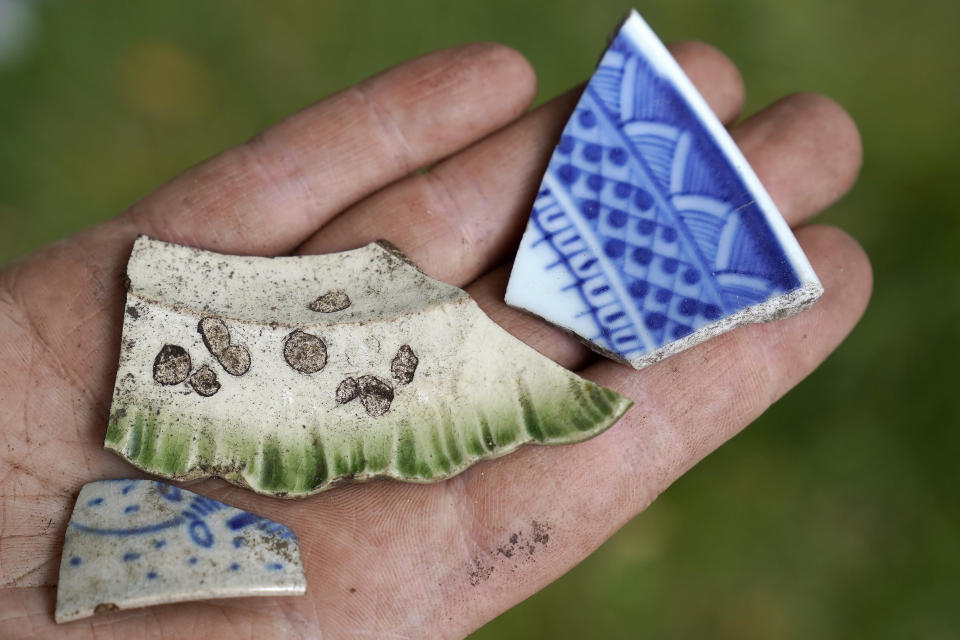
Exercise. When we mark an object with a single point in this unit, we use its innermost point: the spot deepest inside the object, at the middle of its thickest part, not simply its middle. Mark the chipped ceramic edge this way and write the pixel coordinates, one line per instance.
(777, 308)
(505, 428)
(654, 48)
(195, 533)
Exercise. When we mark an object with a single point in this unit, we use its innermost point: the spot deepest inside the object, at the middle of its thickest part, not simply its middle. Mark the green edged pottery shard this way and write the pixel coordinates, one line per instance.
(292, 375)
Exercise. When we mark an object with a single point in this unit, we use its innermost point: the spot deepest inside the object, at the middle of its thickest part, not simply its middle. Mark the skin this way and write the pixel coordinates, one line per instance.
(388, 559)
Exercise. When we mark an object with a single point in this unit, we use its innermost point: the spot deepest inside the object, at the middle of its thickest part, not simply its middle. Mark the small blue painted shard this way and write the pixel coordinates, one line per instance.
(190, 524)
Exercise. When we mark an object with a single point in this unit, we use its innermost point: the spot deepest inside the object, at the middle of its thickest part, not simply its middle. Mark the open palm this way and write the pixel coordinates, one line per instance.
(388, 559)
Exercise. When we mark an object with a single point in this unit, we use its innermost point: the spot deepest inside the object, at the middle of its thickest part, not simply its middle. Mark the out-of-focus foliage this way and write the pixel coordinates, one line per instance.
(833, 516)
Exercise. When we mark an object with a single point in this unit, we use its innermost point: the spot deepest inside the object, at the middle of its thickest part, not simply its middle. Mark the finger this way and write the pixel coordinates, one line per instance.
(714, 75)
(806, 151)
(267, 195)
(685, 407)
(741, 373)
(466, 214)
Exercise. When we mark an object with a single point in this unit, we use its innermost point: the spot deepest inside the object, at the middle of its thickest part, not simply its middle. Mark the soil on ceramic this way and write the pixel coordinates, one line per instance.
(136, 543)
(650, 232)
(409, 380)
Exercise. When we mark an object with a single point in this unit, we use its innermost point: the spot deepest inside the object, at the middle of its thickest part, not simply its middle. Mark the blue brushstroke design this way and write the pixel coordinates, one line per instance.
(242, 520)
(129, 531)
(655, 228)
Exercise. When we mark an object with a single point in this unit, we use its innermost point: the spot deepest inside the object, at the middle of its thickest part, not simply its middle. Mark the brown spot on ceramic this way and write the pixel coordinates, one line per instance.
(172, 365)
(404, 365)
(215, 334)
(305, 352)
(347, 390)
(235, 360)
(204, 381)
(105, 607)
(376, 394)
(330, 302)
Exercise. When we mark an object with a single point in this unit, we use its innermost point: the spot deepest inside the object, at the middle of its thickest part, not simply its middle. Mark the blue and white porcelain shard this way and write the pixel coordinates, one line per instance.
(136, 543)
(650, 232)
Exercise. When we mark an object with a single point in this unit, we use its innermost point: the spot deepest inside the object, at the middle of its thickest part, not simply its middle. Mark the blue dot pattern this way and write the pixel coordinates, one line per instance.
(655, 227)
(170, 539)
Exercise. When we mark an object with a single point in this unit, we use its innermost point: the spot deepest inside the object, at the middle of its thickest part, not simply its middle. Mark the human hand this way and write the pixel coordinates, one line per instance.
(391, 559)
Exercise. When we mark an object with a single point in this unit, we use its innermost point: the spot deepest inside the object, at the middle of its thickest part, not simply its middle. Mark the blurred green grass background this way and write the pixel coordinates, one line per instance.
(835, 515)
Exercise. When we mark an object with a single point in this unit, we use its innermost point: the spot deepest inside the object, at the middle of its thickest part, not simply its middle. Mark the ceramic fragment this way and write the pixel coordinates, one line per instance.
(650, 232)
(330, 302)
(136, 543)
(439, 385)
